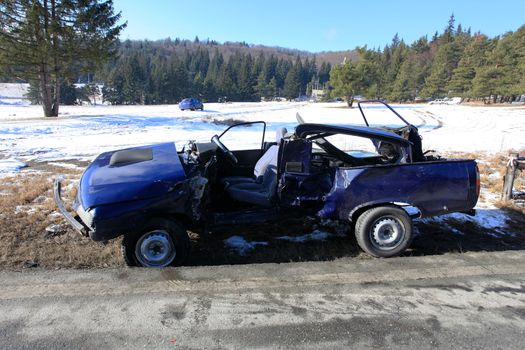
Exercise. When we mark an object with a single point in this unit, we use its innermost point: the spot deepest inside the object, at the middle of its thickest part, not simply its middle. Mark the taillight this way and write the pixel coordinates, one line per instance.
(478, 181)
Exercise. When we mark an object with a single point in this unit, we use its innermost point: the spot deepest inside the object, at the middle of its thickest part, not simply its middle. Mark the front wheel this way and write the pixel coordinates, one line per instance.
(384, 231)
(163, 243)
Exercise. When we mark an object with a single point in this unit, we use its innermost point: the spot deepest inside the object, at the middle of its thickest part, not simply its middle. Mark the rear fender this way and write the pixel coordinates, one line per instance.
(412, 210)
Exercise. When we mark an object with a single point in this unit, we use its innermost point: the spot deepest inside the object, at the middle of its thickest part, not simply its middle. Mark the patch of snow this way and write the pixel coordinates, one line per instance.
(316, 235)
(55, 215)
(488, 198)
(14, 102)
(13, 90)
(65, 165)
(412, 211)
(10, 166)
(27, 209)
(489, 218)
(241, 245)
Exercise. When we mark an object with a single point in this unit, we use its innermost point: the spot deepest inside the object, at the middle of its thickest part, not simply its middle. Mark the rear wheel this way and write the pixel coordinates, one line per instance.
(163, 243)
(384, 231)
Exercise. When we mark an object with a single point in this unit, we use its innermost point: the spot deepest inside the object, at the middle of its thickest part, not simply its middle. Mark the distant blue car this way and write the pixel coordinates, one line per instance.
(191, 104)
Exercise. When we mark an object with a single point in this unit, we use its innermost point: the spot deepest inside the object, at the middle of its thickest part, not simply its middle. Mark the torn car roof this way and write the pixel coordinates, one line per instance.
(303, 130)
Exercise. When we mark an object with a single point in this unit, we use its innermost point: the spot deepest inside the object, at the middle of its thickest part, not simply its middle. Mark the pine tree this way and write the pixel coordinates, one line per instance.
(44, 40)
(448, 35)
(404, 87)
(445, 62)
(367, 73)
(292, 83)
(486, 81)
(246, 81)
(342, 79)
(474, 57)
(281, 71)
(226, 86)
(262, 86)
(394, 56)
(324, 72)
(272, 90)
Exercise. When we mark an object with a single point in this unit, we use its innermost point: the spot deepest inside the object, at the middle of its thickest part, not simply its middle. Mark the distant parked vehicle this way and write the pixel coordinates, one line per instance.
(446, 101)
(191, 103)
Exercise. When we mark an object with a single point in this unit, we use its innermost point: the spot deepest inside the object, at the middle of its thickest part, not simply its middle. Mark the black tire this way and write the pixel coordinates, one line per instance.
(192, 109)
(160, 234)
(384, 232)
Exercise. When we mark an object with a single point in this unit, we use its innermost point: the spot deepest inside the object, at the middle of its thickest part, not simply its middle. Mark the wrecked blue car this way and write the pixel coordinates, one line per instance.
(374, 178)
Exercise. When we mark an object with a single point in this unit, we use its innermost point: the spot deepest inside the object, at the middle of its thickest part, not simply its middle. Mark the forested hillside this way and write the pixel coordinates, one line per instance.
(169, 70)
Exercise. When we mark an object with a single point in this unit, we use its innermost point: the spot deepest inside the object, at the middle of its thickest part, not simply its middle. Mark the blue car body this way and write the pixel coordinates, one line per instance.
(191, 104)
(121, 190)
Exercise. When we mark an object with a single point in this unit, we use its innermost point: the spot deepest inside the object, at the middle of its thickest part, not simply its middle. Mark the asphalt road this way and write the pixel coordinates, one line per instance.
(456, 301)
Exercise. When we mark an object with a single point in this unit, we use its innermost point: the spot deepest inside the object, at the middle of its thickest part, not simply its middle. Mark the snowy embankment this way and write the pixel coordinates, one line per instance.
(10, 165)
(12, 94)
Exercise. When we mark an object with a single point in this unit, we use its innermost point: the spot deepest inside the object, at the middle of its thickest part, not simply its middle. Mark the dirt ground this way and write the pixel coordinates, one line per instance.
(27, 209)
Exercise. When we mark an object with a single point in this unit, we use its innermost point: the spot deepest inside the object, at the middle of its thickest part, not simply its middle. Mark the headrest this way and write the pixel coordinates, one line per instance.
(279, 134)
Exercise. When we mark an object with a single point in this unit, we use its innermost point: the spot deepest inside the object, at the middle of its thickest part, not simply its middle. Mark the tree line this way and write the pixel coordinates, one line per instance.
(146, 72)
(452, 63)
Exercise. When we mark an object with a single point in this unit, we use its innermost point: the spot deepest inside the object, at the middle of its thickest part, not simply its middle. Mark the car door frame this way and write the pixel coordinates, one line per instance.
(247, 158)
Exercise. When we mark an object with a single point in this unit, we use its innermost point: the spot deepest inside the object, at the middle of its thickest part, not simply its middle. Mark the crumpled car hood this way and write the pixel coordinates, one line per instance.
(103, 183)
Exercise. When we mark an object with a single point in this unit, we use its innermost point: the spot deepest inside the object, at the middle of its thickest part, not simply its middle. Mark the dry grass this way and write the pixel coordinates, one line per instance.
(492, 168)
(26, 209)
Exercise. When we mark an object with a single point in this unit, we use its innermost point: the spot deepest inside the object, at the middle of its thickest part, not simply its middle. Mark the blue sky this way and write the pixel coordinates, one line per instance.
(313, 25)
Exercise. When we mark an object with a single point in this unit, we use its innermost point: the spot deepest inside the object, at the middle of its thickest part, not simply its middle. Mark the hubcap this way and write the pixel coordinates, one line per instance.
(155, 249)
(386, 233)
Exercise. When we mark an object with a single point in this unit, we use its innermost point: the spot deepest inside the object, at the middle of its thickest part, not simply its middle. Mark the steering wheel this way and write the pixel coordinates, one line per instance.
(231, 157)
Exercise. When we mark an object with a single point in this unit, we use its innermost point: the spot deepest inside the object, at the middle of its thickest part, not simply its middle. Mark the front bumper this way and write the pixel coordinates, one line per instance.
(106, 229)
(77, 225)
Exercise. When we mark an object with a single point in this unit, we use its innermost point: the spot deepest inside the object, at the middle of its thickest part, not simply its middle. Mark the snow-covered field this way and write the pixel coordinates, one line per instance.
(81, 132)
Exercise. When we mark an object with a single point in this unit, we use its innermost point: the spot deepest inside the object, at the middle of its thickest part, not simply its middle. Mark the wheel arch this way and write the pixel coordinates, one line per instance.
(178, 219)
(412, 210)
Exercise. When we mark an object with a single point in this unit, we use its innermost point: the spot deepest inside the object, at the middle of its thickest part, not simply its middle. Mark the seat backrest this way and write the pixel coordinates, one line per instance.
(269, 182)
(270, 156)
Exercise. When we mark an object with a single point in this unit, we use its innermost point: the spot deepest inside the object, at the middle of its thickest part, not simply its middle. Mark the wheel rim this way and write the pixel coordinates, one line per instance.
(386, 233)
(155, 249)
